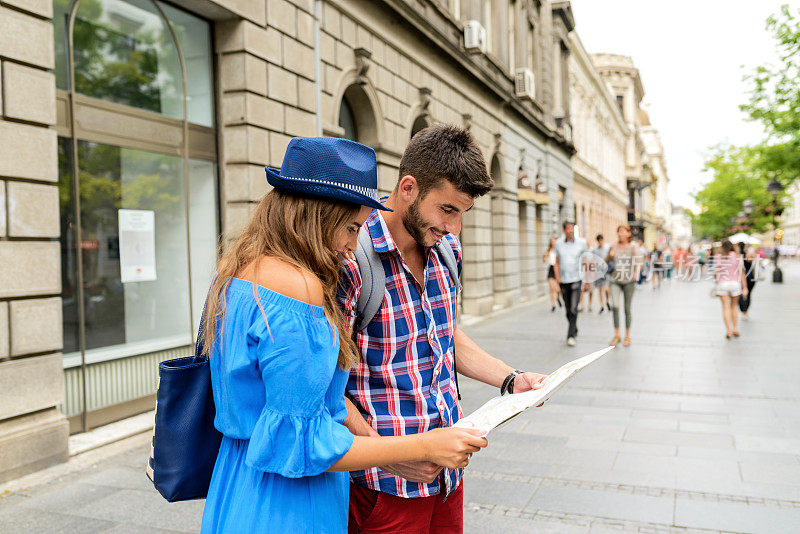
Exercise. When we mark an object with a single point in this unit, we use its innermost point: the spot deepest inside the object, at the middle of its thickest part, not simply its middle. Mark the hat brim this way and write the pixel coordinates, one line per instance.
(330, 191)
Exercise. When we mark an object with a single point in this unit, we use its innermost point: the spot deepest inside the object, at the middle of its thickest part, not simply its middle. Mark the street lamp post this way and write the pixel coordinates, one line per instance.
(775, 187)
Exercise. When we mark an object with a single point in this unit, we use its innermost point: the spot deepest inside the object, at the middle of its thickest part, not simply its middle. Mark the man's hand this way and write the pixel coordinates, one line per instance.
(585, 287)
(528, 381)
(421, 471)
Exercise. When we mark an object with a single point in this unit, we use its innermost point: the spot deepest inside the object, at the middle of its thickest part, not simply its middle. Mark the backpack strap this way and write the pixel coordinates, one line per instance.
(448, 257)
(373, 280)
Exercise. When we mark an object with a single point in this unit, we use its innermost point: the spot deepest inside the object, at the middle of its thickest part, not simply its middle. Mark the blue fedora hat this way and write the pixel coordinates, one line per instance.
(329, 167)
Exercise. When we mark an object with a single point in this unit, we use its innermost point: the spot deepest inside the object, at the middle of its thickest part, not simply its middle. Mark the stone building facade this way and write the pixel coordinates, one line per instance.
(658, 208)
(600, 189)
(33, 433)
(790, 219)
(645, 166)
(115, 191)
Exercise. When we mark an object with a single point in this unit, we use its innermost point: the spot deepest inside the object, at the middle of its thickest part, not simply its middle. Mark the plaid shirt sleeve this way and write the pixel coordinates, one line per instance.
(348, 291)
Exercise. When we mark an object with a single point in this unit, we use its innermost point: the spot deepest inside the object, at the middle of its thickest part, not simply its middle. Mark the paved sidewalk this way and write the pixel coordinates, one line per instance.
(684, 431)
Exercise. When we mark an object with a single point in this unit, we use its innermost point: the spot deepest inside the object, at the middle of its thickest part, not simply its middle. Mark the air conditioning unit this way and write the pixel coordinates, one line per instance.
(474, 37)
(524, 84)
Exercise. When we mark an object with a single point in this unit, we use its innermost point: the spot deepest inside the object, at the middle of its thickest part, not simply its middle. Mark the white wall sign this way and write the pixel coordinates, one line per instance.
(137, 246)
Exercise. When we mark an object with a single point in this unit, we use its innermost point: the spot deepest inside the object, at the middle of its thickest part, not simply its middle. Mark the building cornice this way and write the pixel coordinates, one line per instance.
(563, 9)
(585, 62)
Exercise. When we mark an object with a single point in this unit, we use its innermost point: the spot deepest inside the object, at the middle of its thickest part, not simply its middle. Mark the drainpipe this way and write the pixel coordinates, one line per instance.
(317, 67)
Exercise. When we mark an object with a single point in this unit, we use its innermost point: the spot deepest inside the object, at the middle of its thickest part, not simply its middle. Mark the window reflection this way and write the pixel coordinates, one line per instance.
(194, 37)
(113, 178)
(124, 53)
(69, 261)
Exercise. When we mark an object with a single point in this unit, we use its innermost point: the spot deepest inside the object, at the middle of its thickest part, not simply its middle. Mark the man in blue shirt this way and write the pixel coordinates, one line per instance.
(569, 250)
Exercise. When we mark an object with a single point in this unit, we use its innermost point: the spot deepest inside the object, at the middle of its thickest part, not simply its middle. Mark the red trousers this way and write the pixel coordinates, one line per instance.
(376, 512)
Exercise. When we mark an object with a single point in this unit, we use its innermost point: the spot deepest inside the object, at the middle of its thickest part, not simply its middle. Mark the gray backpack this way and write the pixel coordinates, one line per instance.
(373, 282)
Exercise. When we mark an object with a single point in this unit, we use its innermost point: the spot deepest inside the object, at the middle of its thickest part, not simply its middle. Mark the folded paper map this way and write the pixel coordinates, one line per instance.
(500, 409)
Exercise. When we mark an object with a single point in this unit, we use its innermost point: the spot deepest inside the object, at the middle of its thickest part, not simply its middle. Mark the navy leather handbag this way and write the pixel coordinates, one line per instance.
(185, 443)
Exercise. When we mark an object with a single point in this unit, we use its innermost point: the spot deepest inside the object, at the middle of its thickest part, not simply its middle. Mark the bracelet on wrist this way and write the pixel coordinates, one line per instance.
(508, 383)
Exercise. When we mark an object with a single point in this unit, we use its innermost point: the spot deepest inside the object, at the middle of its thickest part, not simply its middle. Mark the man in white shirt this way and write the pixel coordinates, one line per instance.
(569, 250)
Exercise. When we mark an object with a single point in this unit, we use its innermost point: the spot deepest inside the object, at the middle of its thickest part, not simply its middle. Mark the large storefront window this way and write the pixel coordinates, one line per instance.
(138, 191)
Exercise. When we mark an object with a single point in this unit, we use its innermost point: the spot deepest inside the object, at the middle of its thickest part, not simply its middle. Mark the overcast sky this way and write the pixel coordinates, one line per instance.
(692, 56)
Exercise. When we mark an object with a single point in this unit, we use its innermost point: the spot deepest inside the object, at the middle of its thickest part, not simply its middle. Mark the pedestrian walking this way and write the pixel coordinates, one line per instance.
(569, 250)
(550, 260)
(645, 270)
(730, 285)
(701, 259)
(408, 351)
(680, 262)
(627, 261)
(668, 263)
(279, 352)
(601, 284)
(751, 271)
(656, 267)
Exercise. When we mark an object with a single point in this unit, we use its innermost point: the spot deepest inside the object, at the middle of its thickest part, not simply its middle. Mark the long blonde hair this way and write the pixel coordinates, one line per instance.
(299, 230)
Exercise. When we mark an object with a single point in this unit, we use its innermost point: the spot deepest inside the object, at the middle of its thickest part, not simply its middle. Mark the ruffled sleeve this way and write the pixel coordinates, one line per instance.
(295, 446)
(295, 434)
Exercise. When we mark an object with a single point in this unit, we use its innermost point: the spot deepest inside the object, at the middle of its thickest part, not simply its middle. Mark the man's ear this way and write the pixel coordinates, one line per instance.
(408, 189)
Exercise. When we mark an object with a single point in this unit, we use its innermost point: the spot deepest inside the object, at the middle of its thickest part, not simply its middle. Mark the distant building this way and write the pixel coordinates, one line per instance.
(790, 219)
(657, 207)
(679, 227)
(600, 137)
(645, 166)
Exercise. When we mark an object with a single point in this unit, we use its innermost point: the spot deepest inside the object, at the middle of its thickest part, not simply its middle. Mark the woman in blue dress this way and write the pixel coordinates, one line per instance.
(280, 354)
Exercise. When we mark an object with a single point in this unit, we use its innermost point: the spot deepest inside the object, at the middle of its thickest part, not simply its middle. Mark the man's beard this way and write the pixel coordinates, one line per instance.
(416, 226)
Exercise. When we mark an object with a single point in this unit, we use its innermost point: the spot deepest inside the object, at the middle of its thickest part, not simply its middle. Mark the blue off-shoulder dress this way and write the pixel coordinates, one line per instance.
(279, 396)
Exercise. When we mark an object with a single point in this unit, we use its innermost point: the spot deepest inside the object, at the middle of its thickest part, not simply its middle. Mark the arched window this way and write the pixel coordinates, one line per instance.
(347, 121)
(357, 118)
(138, 190)
(420, 123)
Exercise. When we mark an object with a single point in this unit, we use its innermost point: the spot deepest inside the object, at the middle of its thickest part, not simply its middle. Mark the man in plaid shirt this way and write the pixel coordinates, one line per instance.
(404, 382)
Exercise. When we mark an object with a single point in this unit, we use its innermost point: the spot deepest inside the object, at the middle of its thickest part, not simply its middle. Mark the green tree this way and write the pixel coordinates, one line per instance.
(744, 172)
(739, 174)
(775, 100)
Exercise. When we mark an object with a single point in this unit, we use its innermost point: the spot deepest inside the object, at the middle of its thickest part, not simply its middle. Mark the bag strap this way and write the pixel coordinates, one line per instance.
(448, 257)
(199, 343)
(373, 280)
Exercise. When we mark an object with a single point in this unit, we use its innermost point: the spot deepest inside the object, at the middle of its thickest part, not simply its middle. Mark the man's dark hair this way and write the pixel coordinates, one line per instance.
(565, 223)
(446, 152)
(599, 237)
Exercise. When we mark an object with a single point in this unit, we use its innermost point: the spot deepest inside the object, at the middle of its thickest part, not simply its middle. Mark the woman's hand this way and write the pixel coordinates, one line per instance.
(452, 447)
